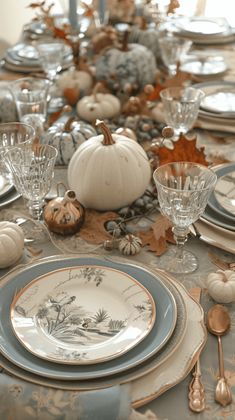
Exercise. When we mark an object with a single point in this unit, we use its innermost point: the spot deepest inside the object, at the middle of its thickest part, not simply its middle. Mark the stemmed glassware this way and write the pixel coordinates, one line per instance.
(51, 54)
(181, 106)
(32, 168)
(183, 191)
(13, 134)
(173, 50)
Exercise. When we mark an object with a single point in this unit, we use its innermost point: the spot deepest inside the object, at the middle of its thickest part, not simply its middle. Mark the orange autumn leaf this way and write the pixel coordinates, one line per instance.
(185, 150)
(178, 80)
(93, 230)
(158, 235)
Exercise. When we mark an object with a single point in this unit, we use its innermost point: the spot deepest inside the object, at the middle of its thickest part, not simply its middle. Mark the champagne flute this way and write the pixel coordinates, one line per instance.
(183, 191)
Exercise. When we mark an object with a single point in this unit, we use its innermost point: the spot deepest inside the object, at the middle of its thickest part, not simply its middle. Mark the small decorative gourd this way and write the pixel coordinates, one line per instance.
(11, 243)
(131, 64)
(74, 84)
(67, 138)
(98, 105)
(64, 215)
(109, 171)
(130, 245)
(221, 286)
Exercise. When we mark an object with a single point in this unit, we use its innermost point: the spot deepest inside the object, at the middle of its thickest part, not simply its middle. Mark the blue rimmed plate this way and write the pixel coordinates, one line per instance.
(166, 314)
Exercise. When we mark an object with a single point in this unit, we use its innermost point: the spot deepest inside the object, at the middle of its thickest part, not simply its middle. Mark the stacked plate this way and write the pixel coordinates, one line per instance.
(217, 224)
(8, 193)
(24, 58)
(202, 30)
(204, 65)
(90, 322)
(217, 109)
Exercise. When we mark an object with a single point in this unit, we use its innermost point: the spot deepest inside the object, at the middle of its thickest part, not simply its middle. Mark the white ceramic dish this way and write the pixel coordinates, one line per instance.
(156, 378)
(202, 66)
(83, 315)
(12, 349)
(5, 186)
(225, 192)
(213, 203)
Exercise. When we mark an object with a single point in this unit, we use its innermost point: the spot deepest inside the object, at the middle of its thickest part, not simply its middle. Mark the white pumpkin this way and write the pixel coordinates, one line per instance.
(11, 243)
(98, 105)
(108, 172)
(130, 245)
(75, 79)
(221, 286)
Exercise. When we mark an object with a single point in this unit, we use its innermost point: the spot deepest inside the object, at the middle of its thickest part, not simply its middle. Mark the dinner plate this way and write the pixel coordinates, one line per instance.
(8, 198)
(5, 186)
(82, 315)
(157, 377)
(219, 98)
(202, 26)
(225, 193)
(217, 219)
(214, 235)
(11, 348)
(204, 66)
(214, 201)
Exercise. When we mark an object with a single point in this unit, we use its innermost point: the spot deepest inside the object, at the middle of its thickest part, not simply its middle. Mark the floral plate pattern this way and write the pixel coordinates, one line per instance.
(82, 315)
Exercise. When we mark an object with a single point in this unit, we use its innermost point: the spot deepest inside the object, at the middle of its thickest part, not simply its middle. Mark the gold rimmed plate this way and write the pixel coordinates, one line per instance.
(154, 342)
(82, 315)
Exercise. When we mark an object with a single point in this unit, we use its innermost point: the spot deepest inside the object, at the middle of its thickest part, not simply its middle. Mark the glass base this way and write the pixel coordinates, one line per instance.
(169, 262)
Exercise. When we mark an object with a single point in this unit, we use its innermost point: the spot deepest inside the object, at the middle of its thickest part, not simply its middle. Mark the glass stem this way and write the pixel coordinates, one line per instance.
(35, 209)
(180, 236)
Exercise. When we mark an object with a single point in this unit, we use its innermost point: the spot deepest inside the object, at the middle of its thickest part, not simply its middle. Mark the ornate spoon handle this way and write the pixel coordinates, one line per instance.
(196, 391)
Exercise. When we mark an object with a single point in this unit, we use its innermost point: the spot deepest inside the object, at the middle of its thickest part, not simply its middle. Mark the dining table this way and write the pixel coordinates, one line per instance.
(160, 393)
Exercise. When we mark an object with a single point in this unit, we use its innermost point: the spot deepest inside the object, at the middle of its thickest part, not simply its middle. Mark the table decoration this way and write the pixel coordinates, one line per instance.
(126, 65)
(116, 314)
(108, 189)
(221, 286)
(11, 243)
(98, 105)
(64, 215)
(156, 339)
(67, 137)
(130, 245)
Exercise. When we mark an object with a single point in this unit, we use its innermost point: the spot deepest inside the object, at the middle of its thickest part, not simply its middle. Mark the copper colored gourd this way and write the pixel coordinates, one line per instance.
(64, 215)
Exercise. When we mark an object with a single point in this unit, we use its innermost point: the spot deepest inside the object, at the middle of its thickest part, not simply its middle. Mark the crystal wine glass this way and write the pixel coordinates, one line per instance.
(13, 134)
(173, 50)
(181, 107)
(51, 53)
(32, 168)
(183, 191)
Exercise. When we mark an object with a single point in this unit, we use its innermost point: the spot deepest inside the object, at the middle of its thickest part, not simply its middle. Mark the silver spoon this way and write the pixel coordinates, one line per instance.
(218, 323)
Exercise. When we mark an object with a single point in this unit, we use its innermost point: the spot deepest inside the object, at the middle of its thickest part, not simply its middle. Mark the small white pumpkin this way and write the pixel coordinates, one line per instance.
(108, 172)
(221, 286)
(75, 79)
(98, 105)
(11, 243)
(130, 245)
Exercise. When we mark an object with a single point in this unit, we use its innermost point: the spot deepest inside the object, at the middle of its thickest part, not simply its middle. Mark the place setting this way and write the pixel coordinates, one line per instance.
(133, 324)
(216, 225)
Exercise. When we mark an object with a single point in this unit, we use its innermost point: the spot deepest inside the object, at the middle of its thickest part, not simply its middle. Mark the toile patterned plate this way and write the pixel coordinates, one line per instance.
(162, 333)
(82, 315)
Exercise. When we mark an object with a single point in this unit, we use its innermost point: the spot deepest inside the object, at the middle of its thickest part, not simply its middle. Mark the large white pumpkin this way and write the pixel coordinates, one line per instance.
(11, 243)
(108, 172)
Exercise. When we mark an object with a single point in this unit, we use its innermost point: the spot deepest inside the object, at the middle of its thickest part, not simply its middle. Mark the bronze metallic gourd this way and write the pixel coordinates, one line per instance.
(64, 215)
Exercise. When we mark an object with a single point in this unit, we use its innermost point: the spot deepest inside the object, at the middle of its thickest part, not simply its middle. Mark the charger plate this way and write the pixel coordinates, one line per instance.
(11, 348)
(9, 197)
(5, 186)
(215, 202)
(148, 380)
(83, 315)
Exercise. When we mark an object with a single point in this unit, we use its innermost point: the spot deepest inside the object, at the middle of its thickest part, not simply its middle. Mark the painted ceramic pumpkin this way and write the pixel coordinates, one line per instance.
(109, 171)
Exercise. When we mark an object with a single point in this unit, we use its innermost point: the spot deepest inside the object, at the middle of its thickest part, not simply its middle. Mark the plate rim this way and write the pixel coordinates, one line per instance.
(74, 375)
(45, 278)
(232, 215)
(211, 205)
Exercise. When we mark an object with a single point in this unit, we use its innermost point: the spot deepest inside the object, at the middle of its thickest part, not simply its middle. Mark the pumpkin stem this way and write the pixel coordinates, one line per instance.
(108, 139)
(125, 41)
(68, 125)
(97, 88)
(69, 196)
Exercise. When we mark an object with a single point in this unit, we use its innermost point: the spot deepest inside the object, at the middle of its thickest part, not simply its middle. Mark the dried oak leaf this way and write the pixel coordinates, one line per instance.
(178, 80)
(185, 150)
(93, 230)
(158, 235)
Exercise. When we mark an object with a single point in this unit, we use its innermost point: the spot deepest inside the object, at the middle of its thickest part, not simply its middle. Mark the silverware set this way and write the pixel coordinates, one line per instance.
(218, 323)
